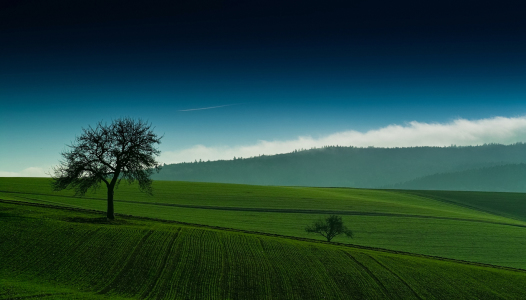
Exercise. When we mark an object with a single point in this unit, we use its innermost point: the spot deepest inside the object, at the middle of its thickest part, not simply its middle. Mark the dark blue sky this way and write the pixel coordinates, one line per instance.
(285, 68)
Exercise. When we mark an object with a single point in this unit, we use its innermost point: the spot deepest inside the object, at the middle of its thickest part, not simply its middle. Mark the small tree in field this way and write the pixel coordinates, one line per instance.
(329, 227)
(125, 149)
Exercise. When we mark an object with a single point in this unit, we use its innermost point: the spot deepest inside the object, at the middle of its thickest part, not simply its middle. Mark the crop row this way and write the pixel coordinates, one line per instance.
(465, 283)
(196, 266)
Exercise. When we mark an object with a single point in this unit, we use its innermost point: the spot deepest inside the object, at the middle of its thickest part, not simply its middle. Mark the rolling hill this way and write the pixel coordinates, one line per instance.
(471, 226)
(365, 168)
(57, 253)
(505, 178)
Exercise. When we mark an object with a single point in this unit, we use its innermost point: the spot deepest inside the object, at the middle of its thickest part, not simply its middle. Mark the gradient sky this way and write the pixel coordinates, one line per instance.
(270, 71)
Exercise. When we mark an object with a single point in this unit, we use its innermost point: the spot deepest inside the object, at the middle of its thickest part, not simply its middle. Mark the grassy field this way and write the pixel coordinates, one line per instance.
(461, 225)
(51, 253)
(510, 205)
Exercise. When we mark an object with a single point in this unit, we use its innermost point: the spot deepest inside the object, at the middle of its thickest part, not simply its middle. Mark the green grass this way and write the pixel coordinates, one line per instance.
(59, 254)
(459, 227)
(511, 205)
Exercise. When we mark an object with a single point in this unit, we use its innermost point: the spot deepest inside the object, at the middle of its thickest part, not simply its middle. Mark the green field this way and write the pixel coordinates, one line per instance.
(480, 227)
(49, 253)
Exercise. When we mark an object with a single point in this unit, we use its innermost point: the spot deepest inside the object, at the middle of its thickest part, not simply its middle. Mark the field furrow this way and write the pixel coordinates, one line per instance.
(148, 292)
(246, 270)
(201, 255)
(125, 266)
(394, 286)
(298, 275)
(383, 289)
(104, 257)
(467, 283)
(163, 283)
(140, 273)
(349, 277)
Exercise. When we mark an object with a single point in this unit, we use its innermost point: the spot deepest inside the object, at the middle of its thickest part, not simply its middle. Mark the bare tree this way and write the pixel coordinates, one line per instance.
(329, 227)
(125, 149)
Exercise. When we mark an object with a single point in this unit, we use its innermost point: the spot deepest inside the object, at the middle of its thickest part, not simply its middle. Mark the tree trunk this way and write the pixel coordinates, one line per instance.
(110, 212)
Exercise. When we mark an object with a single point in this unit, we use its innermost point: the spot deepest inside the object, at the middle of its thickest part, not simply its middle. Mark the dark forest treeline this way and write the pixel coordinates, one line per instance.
(348, 166)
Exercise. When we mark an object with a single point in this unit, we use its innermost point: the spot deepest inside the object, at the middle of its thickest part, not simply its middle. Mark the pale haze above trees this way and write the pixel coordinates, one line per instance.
(109, 153)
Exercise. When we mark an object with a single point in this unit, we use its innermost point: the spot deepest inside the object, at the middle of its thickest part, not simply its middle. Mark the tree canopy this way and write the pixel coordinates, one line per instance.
(124, 149)
(329, 227)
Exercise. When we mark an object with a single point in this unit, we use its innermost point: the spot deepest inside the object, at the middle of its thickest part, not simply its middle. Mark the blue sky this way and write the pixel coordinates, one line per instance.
(276, 76)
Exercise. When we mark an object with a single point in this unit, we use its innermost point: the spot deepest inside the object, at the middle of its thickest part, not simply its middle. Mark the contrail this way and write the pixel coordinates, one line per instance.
(208, 107)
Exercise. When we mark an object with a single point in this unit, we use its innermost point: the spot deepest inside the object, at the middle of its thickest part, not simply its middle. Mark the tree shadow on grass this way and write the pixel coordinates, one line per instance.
(100, 220)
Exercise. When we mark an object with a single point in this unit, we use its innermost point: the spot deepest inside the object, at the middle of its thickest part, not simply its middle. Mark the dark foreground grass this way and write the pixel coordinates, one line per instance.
(399, 220)
(60, 254)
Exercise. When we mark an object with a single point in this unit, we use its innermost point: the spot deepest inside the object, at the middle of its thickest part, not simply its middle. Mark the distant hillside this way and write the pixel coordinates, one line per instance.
(506, 178)
(347, 166)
